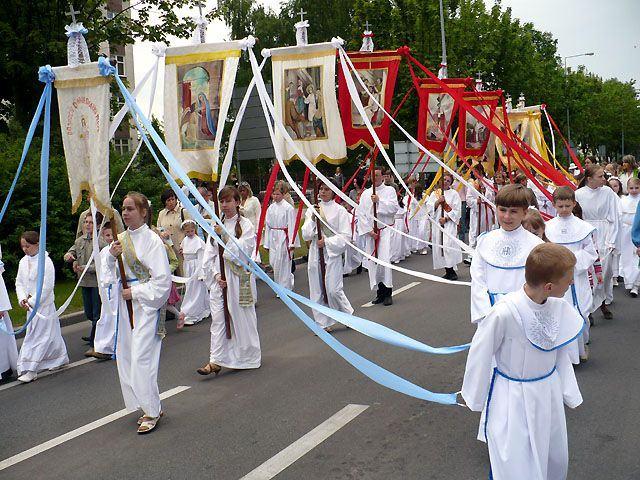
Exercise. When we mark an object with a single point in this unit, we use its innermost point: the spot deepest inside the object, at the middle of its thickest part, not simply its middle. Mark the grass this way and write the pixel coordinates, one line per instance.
(62, 290)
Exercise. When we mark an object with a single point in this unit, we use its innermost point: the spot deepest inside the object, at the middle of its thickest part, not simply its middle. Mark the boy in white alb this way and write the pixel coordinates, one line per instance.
(628, 251)
(498, 262)
(519, 372)
(104, 345)
(280, 237)
(577, 235)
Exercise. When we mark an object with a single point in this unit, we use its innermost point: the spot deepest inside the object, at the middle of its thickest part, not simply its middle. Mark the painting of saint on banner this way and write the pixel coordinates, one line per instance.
(439, 116)
(476, 134)
(375, 81)
(199, 103)
(303, 110)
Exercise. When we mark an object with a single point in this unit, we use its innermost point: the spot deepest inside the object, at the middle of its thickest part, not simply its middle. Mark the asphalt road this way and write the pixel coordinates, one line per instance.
(224, 427)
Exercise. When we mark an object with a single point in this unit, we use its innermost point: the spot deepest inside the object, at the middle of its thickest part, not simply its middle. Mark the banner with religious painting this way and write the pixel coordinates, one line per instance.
(198, 84)
(304, 96)
(473, 134)
(526, 124)
(437, 111)
(378, 71)
(83, 102)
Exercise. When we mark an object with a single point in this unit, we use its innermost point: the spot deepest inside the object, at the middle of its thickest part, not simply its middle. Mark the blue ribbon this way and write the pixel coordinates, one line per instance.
(366, 367)
(45, 74)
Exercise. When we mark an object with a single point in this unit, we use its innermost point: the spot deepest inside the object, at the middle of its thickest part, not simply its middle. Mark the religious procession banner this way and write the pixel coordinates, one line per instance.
(378, 71)
(83, 102)
(526, 124)
(198, 84)
(437, 112)
(304, 96)
(474, 135)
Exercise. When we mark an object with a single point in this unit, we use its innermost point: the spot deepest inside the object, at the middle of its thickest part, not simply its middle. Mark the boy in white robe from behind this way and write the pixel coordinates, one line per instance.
(519, 373)
(195, 303)
(8, 348)
(333, 246)
(43, 347)
(280, 237)
(241, 351)
(578, 236)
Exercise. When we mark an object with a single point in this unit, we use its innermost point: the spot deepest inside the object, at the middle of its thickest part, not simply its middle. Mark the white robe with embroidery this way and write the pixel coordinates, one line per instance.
(386, 210)
(195, 303)
(242, 350)
(577, 236)
(482, 217)
(600, 207)
(106, 328)
(138, 350)
(526, 428)
(43, 347)
(451, 255)
(498, 266)
(628, 256)
(334, 246)
(281, 215)
(8, 348)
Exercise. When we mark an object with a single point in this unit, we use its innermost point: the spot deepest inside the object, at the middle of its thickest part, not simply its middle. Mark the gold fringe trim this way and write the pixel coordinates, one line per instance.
(200, 57)
(319, 158)
(364, 143)
(302, 56)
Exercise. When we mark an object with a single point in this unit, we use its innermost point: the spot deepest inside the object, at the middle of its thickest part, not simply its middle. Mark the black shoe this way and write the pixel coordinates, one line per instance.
(591, 322)
(606, 313)
(86, 339)
(453, 276)
(387, 301)
(7, 374)
(379, 296)
(359, 270)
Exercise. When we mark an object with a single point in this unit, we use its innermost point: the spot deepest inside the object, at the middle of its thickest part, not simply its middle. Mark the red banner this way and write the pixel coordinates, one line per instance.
(378, 71)
(473, 135)
(437, 111)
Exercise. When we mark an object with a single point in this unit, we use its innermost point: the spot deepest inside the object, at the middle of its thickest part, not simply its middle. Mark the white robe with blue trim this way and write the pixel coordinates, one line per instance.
(526, 428)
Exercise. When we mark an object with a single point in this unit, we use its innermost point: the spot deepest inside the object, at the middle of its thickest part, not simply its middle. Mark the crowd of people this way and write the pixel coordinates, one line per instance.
(526, 247)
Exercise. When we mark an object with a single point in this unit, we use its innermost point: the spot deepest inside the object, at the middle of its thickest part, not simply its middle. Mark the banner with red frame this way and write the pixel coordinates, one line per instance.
(378, 71)
(473, 135)
(437, 111)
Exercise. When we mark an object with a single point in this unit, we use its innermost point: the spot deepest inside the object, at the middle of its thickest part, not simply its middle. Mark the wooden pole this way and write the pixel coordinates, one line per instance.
(376, 231)
(323, 267)
(442, 211)
(123, 275)
(223, 276)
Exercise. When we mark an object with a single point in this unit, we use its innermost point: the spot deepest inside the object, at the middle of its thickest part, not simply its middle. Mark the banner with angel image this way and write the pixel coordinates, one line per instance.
(437, 112)
(379, 71)
(199, 81)
(305, 101)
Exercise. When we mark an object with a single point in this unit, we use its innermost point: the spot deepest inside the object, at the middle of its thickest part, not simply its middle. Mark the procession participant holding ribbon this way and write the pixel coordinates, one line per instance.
(629, 256)
(140, 338)
(242, 350)
(578, 236)
(331, 246)
(280, 237)
(600, 207)
(195, 303)
(497, 267)
(377, 235)
(43, 347)
(445, 207)
(8, 348)
(519, 373)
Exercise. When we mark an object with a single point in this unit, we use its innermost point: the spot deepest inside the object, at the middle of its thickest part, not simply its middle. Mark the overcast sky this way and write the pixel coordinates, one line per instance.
(609, 28)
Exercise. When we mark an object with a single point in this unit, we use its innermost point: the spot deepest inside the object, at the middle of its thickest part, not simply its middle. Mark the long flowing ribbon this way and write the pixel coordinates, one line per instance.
(368, 368)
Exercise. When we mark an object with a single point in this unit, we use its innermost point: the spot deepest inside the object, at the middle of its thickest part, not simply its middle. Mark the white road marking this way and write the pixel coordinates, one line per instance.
(54, 442)
(51, 372)
(305, 444)
(396, 292)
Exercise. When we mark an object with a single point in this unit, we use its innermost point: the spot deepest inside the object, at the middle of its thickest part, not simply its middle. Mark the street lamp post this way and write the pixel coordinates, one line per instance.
(566, 77)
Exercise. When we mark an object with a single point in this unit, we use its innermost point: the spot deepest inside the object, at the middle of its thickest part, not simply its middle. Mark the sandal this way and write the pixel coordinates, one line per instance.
(209, 368)
(148, 424)
(141, 419)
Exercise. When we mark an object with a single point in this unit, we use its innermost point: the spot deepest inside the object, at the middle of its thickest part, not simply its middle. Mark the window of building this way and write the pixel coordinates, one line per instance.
(121, 145)
(120, 67)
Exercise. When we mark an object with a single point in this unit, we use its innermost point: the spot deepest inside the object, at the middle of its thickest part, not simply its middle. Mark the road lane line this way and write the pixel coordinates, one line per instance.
(54, 442)
(305, 444)
(395, 292)
(51, 372)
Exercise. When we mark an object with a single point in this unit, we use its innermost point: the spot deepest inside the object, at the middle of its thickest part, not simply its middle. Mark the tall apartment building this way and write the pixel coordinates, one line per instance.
(126, 137)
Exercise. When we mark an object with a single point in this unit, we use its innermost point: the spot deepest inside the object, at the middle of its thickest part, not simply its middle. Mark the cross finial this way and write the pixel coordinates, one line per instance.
(302, 13)
(366, 25)
(72, 13)
(200, 8)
